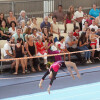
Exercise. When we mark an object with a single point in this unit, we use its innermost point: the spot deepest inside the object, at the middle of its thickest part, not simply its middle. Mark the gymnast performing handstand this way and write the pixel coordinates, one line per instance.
(54, 68)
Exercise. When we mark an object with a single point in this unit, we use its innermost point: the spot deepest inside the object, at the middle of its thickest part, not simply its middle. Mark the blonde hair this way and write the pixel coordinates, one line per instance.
(27, 37)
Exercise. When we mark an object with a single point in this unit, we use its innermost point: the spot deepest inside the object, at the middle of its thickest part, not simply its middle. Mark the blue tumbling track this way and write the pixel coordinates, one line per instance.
(82, 92)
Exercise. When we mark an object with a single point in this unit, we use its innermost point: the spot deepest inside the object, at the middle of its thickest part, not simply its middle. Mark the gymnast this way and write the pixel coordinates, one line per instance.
(54, 68)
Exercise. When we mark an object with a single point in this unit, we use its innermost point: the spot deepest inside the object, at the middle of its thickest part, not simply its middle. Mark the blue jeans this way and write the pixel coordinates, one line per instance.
(87, 53)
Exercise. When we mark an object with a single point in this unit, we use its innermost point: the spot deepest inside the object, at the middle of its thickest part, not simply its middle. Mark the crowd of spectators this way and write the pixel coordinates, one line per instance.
(27, 38)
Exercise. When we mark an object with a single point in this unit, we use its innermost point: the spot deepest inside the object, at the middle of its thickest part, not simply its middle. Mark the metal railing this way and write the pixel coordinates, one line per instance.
(38, 8)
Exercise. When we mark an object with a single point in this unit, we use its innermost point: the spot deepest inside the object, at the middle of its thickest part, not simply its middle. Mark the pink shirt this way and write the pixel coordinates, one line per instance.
(55, 66)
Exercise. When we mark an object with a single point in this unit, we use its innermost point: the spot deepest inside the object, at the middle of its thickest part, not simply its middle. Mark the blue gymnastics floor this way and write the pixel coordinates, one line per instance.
(82, 92)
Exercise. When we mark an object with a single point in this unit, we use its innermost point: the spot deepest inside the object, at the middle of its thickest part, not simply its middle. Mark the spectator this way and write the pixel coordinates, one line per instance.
(60, 14)
(18, 34)
(45, 32)
(71, 45)
(12, 28)
(82, 45)
(85, 26)
(19, 52)
(97, 54)
(98, 31)
(28, 32)
(89, 20)
(94, 12)
(45, 23)
(35, 34)
(84, 19)
(88, 32)
(29, 22)
(72, 11)
(52, 49)
(62, 48)
(22, 17)
(35, 24)
(68, 18)
(2, 18)
(4, 31)
(55, 28)
(97, 20)
(23, 26)
(76, 32)
(78, 16)
(32, 51)
(11, 18)
(41, 50)
(93, 37)
(9, 52)
(93, 25)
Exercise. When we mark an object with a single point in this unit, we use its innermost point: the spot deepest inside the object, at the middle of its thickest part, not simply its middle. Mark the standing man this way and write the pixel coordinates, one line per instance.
(59, 14)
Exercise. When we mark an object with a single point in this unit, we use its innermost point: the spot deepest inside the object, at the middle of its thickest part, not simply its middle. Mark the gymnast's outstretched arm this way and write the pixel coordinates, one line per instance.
(71, 64)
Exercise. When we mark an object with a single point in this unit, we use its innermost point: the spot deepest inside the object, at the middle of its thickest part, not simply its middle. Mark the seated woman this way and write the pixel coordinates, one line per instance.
(19, 52)
(2, 17)
(11, 18)
(12, 28)
(55, 29)
(45, 32)
(28, 32)
(4, 31)
(82, 45)
(32, 51)
(62, 48)
(35, 34)
(34, 24)
(41, 50)
(52, 49)
(23, 26)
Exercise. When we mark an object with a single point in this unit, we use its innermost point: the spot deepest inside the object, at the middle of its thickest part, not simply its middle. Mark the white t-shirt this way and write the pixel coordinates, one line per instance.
(55, 26)
(62, 45)
(83, 22)
(7, 47)
(95, 27)
(78, 14)
(12, 31)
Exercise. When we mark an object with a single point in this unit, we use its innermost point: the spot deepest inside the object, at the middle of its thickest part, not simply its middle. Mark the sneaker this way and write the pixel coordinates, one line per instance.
(87, 62)
(90, 61)
(27, 71)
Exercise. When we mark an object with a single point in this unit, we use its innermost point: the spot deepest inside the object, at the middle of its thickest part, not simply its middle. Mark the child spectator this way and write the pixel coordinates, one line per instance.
(76, 32)
(62, 48)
